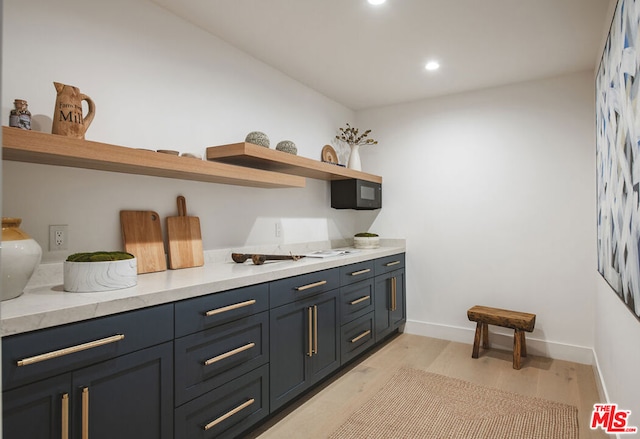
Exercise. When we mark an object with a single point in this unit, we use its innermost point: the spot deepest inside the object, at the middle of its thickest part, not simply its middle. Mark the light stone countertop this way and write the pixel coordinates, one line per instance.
(47, 306)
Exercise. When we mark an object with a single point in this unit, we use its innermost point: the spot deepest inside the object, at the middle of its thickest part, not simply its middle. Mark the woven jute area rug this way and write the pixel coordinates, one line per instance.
(418, 404)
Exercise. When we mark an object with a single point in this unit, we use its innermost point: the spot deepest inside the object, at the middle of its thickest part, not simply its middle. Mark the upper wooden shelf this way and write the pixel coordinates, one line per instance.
(36, 147)
(247, 154)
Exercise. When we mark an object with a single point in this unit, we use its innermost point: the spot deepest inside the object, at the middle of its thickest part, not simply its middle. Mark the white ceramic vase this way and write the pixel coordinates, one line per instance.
(354, 158)
(19, 257)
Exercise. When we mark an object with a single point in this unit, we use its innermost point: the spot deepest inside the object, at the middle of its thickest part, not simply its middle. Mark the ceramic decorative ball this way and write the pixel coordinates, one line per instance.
(257, 138)
(287, 146)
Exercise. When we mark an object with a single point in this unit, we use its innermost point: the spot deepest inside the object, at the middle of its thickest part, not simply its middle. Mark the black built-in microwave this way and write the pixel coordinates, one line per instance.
(356, 194)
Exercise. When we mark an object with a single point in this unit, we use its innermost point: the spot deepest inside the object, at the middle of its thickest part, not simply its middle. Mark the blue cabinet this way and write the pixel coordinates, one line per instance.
(390, 295)
(221, 362)
(356, 306)
(210, 366)
(101, 376)
(305, 337)
(226, 411)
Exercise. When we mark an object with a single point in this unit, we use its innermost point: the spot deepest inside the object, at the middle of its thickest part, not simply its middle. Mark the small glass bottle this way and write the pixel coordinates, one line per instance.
(20, 117)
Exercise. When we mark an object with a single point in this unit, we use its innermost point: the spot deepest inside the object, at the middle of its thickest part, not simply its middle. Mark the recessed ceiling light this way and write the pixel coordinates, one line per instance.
(432, 65)
(376, 2)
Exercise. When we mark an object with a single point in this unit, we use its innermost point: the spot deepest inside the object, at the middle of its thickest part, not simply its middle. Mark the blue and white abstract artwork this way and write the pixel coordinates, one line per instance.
(618, 156)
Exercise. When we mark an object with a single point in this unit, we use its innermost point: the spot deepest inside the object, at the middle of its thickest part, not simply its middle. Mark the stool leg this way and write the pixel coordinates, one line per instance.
(516, 349)
(485, 336)
(523, 344)
(476, 341)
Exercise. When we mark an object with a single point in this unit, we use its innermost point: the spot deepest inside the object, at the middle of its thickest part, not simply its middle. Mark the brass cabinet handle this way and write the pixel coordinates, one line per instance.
(364, 334)
(229, 354)
(362, 299)
(85, 413)
(230, 413)
(358, 273)
(315, 329)
(310, 340)
(64, 433)
(389, 264)
(70, 350)
(313, 285)
(213, 312)
(393, 294)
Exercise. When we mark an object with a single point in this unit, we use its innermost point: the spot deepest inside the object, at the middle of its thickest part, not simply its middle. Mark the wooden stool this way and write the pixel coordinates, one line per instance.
(518, 321)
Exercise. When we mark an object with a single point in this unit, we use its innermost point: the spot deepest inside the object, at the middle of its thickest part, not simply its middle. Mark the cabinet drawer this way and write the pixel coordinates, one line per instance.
(356, 337)
(356, 272)
(215, 309)
(207, 359)
(226, 411)
(60, 349)
(293, 288)
(389, 263)
(356, 300)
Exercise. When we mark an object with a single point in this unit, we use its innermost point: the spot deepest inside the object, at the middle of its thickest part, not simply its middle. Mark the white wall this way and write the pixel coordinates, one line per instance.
(158, 83)
(618, 350)
(494, 191)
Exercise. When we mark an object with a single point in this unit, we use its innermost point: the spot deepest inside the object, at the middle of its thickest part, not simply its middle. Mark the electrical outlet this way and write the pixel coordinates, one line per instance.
(278, 230)
(58, 237)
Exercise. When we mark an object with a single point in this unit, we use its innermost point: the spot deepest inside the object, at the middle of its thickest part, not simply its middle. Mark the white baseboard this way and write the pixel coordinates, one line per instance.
(503, 339)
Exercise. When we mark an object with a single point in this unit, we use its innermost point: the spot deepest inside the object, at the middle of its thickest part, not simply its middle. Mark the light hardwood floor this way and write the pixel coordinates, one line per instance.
(325, 408)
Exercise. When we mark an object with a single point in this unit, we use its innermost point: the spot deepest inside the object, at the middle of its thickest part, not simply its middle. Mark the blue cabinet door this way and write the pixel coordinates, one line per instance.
(128, 397)
(305, 345)
(390, 303)
(37, 411)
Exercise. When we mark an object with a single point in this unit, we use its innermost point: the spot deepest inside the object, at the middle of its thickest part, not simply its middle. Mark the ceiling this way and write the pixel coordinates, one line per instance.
(367, 56)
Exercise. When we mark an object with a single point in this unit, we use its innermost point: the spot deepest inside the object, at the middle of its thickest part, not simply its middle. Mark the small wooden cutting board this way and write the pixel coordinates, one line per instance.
(142, 237)
(185, 240)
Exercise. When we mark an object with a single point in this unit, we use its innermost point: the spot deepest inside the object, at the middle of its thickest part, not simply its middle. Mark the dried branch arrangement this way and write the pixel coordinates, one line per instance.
(351, 136)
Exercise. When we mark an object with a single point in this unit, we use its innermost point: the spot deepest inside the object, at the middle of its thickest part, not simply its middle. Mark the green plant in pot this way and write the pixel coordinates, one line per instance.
(100, 256)
(366, 240)
(100, 271)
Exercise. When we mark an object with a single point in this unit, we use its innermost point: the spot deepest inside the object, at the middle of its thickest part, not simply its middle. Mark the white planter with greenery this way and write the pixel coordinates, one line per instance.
(366, 240)
(100, 271)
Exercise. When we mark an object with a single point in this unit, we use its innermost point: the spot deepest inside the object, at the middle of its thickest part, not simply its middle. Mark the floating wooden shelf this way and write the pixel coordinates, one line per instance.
(36, 147)
(247, 154)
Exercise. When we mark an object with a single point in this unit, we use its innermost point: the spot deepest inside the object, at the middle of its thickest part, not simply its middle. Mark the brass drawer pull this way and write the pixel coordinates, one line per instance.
(394, 300)
(85, 413)
(315, 329)
(364, 334)
(64, 433)
(313, 285)
(358, 273)
(213, 312)
(310, 340)
(392, 263)
(70, 350)
(362, 299)
(229, 354)
(230, 413)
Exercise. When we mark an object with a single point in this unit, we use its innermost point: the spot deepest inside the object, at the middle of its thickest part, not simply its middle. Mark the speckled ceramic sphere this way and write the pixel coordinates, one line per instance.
(257, 138)
(287, 146)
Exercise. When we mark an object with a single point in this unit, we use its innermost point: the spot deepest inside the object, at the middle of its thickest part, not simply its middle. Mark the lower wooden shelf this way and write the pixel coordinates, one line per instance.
(36, 147)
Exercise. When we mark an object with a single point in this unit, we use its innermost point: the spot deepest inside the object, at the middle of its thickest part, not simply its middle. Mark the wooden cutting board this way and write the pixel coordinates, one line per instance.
(185, 240)
(142, 237)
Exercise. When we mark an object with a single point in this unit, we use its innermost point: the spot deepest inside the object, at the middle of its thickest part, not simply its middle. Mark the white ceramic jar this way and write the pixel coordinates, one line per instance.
(19, 257)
